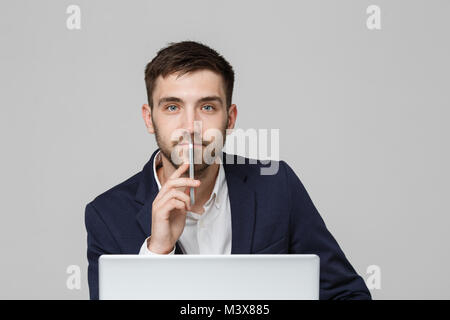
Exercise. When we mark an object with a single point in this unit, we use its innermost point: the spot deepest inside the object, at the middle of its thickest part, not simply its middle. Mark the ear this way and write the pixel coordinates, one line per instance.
(147, 116)
(232, 115)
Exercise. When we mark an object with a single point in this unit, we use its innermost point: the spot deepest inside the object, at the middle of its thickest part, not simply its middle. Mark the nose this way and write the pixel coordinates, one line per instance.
(191, 125)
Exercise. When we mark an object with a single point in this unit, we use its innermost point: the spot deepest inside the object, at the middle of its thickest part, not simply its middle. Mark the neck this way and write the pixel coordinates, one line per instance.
(203, 192)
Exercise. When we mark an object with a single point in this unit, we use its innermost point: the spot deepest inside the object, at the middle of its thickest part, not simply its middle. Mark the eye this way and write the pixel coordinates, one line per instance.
(172, 107)
(208, 107)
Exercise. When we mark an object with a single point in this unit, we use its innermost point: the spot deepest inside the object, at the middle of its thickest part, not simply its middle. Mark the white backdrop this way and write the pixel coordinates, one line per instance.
(363, 119)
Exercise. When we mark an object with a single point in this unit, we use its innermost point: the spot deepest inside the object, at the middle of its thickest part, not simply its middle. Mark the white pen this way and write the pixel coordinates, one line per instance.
(191, 170)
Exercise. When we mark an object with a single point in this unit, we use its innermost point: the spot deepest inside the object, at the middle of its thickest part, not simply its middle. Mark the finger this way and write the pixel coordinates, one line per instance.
(183, 182)
(176, 183)
(187, 191)
(174, 204)
(175, 194)
(181, 169)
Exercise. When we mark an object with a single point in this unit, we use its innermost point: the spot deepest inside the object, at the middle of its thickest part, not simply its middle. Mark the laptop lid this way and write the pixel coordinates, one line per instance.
(209, 277)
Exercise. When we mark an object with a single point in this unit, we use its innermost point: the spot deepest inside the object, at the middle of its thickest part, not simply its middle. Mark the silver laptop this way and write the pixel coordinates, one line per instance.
(209, 277)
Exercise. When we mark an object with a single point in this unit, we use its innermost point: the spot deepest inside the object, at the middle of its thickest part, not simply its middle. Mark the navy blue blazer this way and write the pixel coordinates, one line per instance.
(271, 214)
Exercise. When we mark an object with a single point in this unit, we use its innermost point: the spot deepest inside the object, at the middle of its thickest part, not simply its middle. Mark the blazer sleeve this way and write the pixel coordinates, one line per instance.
(99, 241)
(309, 235)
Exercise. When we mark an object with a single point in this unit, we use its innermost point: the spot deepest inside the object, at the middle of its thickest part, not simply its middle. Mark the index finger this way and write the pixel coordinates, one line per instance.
(179, 171)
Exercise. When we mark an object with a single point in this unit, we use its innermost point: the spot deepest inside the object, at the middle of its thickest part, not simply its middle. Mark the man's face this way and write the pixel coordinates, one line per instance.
(191, 107)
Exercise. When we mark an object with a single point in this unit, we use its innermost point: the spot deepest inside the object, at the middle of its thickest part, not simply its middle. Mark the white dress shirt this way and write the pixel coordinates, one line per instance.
(209, 232)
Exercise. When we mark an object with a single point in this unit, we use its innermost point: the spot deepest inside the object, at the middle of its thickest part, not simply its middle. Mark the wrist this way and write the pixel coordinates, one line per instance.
(158, 249)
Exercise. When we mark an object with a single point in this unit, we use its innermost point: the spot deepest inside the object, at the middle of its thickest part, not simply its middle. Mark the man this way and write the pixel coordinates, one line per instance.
(237, 210)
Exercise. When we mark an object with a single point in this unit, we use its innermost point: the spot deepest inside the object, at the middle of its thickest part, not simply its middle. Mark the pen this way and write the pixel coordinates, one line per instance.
(191, 170)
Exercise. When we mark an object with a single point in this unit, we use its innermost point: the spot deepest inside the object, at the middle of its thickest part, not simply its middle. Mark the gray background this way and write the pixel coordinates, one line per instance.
(362, 117)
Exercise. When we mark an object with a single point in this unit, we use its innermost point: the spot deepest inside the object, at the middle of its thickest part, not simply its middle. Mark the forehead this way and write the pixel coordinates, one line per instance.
(193, 84)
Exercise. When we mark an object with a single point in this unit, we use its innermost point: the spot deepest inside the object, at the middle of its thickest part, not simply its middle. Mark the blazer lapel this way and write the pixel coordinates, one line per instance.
(242, 201)
(146, 193)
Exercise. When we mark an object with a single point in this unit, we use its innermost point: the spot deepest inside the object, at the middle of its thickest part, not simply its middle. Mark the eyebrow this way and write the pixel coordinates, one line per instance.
(204, 99)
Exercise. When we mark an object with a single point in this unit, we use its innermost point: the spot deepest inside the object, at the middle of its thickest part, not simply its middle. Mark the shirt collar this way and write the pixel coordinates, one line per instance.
(217, 194)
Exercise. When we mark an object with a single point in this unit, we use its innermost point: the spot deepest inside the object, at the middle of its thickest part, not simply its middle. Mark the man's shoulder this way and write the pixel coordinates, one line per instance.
(259, 170)
(119, 196)
(272, 181)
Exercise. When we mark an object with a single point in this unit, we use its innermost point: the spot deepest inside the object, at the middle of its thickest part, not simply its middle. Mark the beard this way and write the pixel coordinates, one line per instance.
(167, 149)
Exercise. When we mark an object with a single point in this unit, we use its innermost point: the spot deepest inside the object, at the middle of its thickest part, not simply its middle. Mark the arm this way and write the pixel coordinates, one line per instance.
(309, 235)
(99, 241)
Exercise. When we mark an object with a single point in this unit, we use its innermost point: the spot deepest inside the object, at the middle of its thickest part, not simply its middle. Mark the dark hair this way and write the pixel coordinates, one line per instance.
(186, 56)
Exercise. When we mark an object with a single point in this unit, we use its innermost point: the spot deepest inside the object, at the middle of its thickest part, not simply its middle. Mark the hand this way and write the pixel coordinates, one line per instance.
(169, 211)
